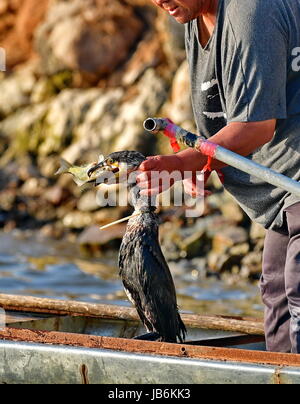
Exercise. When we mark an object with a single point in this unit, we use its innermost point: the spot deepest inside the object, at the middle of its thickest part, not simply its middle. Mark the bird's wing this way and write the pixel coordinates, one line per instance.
(131, 277)
(160, 293)
(147, 278)
(155, 297)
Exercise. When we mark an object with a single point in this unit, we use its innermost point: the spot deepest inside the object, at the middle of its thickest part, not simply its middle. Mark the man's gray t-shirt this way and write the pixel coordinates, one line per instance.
(250, 71)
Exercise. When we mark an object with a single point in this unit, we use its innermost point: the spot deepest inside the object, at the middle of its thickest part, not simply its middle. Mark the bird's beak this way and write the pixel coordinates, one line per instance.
(95, 168)
(104, 173)
(110, 174)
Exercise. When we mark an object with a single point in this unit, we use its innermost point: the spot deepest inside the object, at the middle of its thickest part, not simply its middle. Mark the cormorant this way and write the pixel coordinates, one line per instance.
(144, 271)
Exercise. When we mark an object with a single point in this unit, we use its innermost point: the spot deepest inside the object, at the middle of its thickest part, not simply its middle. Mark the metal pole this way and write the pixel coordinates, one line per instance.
(176, 133)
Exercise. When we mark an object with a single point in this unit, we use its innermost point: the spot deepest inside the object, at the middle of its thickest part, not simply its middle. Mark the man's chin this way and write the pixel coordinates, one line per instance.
(182, 20)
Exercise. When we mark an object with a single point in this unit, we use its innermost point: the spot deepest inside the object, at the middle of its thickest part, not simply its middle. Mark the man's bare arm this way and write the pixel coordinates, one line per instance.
(239, 137)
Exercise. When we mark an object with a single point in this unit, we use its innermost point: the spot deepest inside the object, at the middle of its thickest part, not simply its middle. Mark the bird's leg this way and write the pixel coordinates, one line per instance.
(150, 336)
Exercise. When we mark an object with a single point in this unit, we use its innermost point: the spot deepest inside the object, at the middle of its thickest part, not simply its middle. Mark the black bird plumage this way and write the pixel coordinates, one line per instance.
(144, 271)
(147, 278)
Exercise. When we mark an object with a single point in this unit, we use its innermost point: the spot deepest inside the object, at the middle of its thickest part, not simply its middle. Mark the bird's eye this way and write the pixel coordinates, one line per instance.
(109, 161)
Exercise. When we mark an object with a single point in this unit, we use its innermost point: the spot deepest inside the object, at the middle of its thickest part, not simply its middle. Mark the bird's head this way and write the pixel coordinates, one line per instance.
(117, 167)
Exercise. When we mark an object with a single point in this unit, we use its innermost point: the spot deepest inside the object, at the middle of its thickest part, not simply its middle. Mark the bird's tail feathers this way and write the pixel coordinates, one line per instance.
(182, 331)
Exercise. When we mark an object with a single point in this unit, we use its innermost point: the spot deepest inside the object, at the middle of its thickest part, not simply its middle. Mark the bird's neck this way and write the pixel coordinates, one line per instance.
(142, 203)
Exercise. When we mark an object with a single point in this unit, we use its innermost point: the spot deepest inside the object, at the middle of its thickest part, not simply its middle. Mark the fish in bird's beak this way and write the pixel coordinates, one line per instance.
(106, 172)
(112, 171)
(80, 173)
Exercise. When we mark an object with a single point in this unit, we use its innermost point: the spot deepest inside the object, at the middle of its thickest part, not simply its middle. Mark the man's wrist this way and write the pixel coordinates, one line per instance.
(191, 160)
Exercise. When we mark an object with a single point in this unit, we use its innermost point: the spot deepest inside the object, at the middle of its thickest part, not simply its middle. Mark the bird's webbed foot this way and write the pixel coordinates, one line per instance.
(150, 336)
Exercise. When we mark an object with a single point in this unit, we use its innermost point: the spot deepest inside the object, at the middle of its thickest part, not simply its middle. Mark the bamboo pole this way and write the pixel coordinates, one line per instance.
(74, 308)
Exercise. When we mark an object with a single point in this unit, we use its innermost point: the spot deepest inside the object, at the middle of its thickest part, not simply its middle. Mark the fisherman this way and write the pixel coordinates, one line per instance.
(245, 87)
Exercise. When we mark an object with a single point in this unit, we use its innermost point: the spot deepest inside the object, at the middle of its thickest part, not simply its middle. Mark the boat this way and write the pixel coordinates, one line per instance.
(47, 341)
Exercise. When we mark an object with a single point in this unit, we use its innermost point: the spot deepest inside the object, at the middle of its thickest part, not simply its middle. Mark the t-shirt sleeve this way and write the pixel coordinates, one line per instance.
(254, 63)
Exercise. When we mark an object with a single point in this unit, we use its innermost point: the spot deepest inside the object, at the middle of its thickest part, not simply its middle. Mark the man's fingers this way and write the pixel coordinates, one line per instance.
(150, 164)
(145, 176)
(143, 185)
(151, 192)
(154, 180)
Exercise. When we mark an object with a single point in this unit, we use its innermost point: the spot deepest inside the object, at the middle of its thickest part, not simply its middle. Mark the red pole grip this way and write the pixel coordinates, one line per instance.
(170, 131)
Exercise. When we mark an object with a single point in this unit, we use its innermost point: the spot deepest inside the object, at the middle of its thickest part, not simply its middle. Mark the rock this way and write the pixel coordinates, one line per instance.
(95, 131)
(239, 249)
(77, 220)
(257, 231)
(111, 125)
(192, 246)
(151, 96)
(147, 55)
(15, 91)
(108, 215)
(215, 200)
(16, 35)
(10, 226)
(172, 38)
(55, 195)
(23, 130)
(229, 237)
(94, 236)
(252, 265)
(170, 240)
(39, 211)
(52, 231)
(65, 113)
(88, 202)
(26, 170)
(7, 199)
(216, 183)
(224, 262)
(34, 187)
(231, 210)
(228, 260)
(23, 121)
(229, 247)
(179, 108)
(47, 128)
(3, 6)
(48, 166)
(42, 91)
(259, 245)
(77, 36)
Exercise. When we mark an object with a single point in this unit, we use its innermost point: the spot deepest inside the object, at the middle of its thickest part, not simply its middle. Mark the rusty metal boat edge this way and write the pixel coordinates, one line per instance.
(150, 348)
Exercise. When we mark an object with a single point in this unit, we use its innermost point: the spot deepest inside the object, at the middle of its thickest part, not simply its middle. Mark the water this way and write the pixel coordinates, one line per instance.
(43, 268)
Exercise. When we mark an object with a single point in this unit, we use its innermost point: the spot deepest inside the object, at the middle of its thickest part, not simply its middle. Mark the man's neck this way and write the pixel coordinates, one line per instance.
(210, 8)
(207, 22)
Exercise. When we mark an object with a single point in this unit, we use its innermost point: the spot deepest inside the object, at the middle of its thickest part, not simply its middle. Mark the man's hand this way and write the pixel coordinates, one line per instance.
(159, 173)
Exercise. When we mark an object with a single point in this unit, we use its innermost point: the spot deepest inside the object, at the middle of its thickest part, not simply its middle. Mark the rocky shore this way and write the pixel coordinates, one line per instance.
(81, 78)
